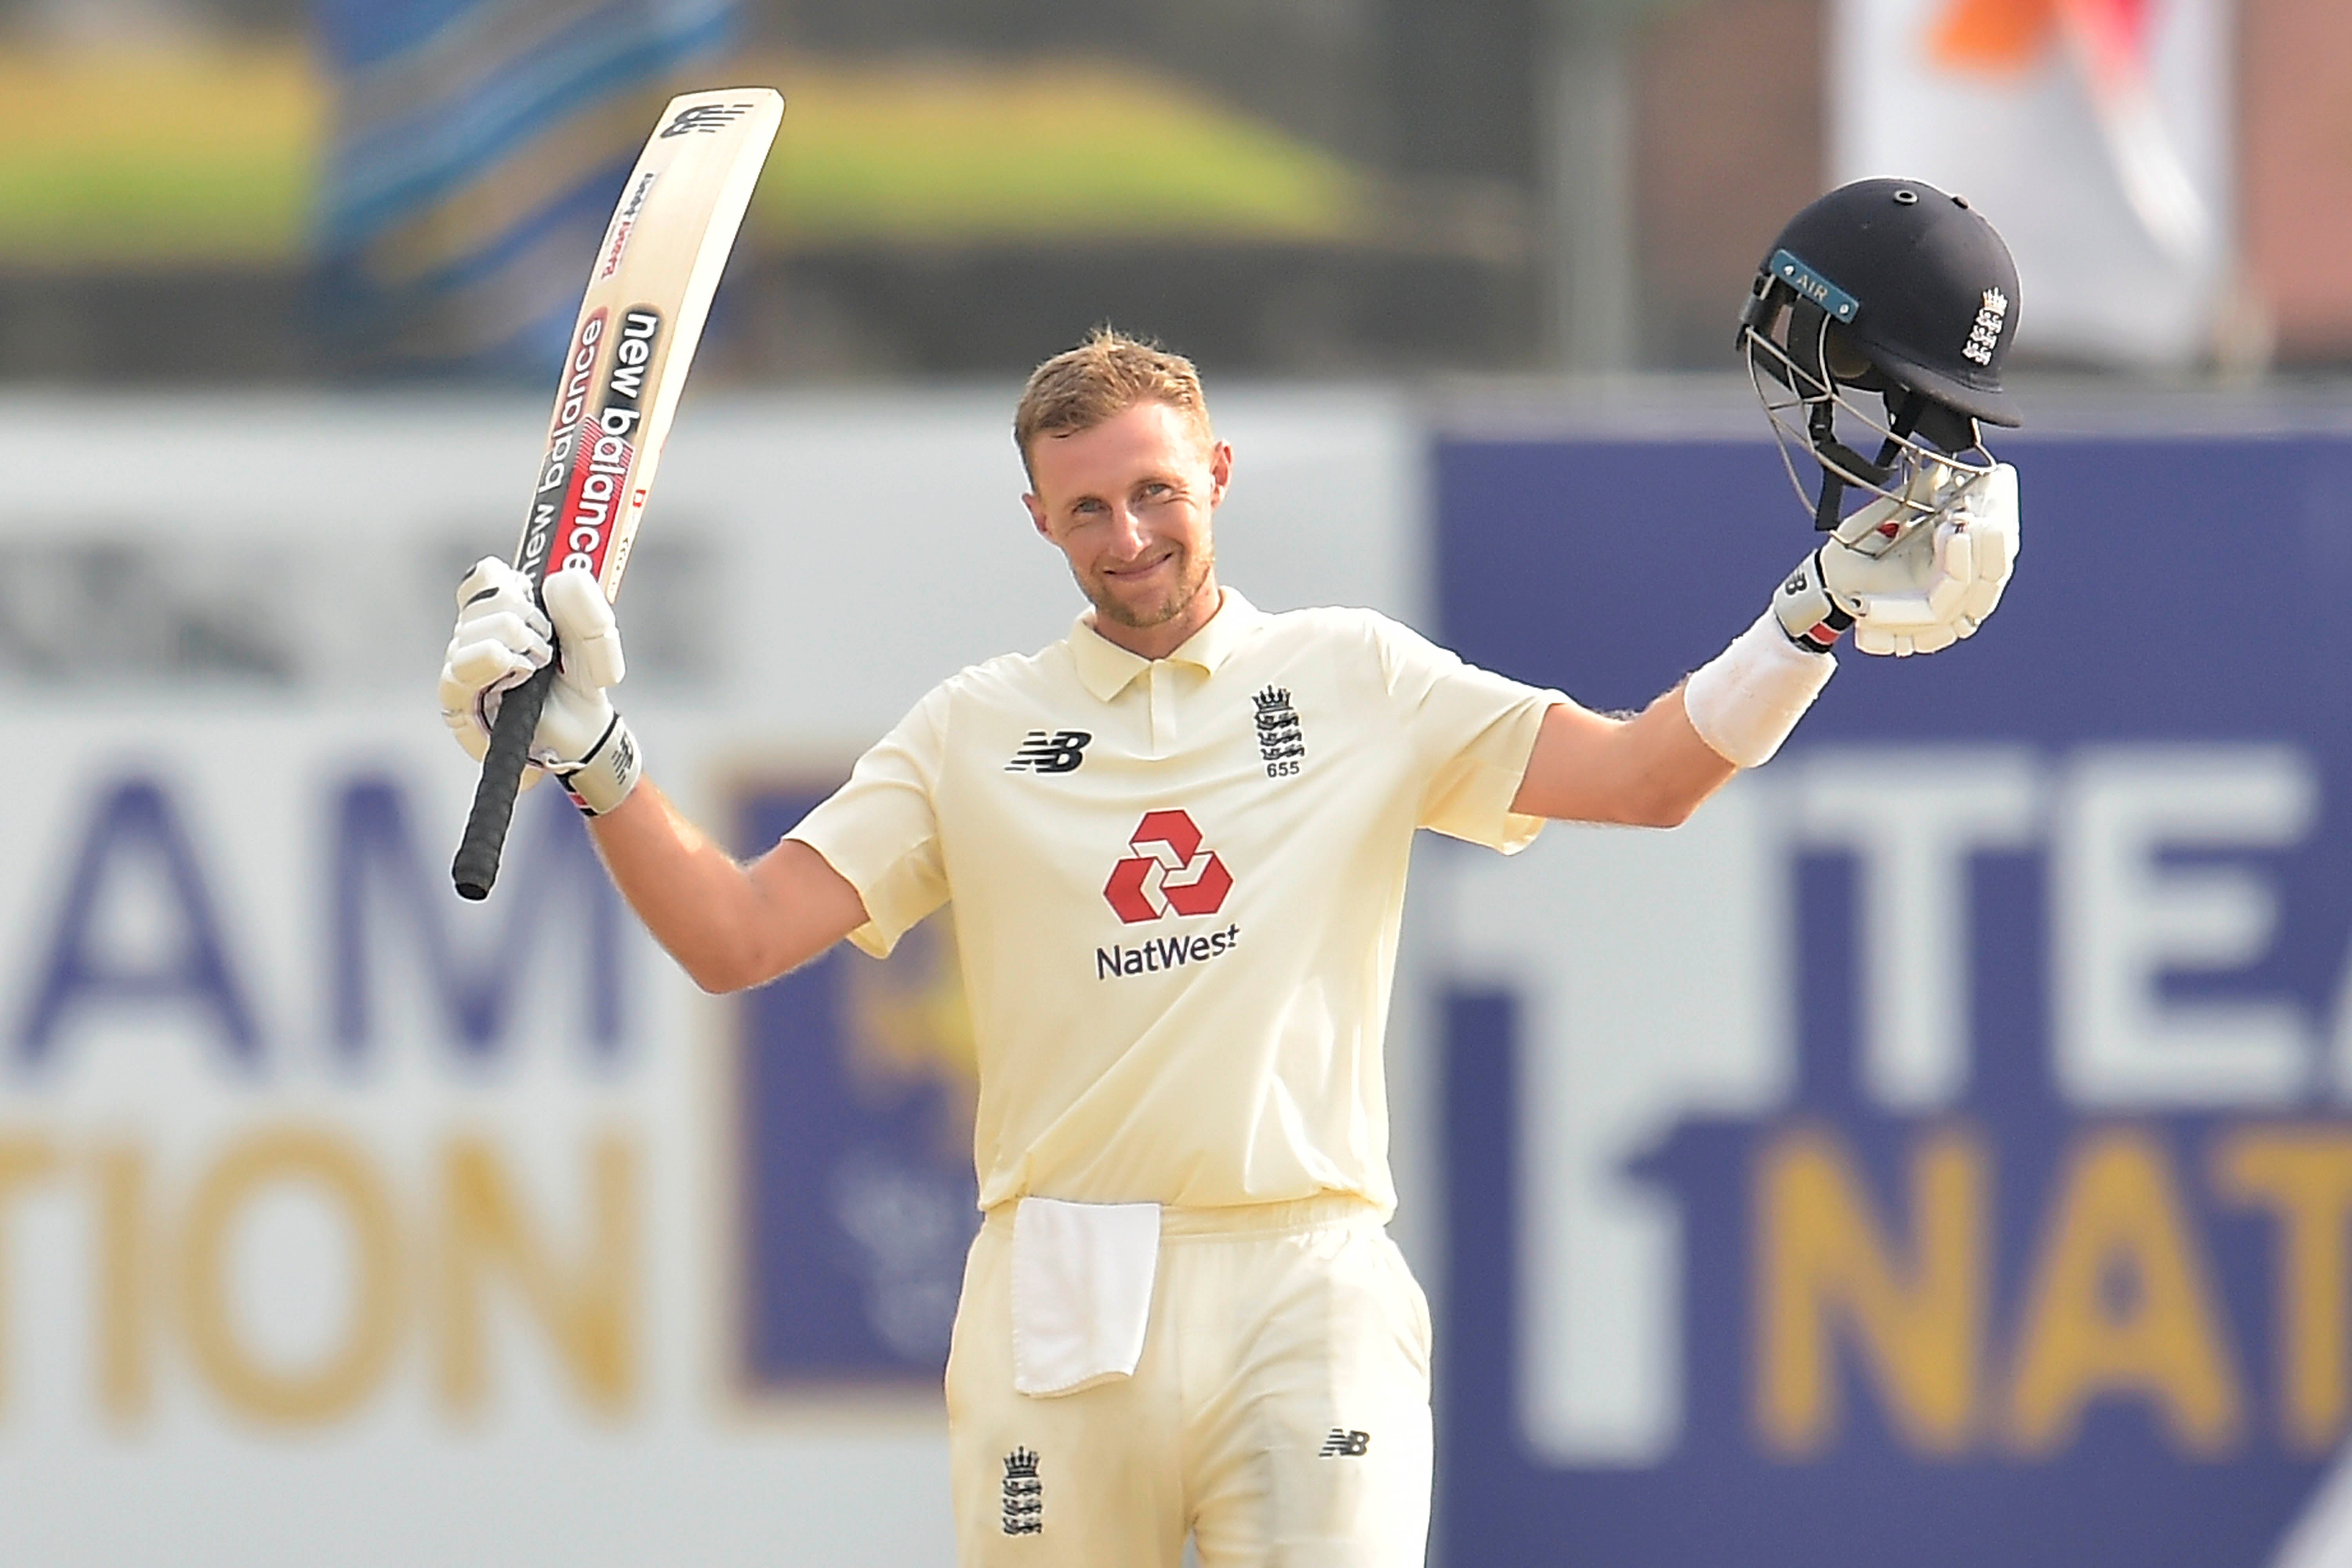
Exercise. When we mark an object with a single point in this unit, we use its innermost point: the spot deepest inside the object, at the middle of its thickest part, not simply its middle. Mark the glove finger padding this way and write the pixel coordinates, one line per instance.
(578, 713)
(586, 624)
(1956, 567)
(469, 670)
(493, 588)
(571, 725)
(502, 637)
(1934, 584)
(1992, 527)
(580, 738)
(495, 651)
(499, 639)
(493, 577)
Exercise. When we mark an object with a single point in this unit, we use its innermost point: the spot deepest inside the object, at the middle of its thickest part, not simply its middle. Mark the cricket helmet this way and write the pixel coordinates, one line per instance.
(1885, 287)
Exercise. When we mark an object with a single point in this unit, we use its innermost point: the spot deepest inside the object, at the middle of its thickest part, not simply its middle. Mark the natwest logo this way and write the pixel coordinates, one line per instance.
(1169, 874)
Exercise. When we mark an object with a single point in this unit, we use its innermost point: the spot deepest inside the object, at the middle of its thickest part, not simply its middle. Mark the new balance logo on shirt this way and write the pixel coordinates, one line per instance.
(1343, 1444)
(1058, 752)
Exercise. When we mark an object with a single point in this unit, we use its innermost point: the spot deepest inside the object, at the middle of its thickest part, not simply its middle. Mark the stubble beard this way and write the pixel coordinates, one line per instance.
(1192, 575)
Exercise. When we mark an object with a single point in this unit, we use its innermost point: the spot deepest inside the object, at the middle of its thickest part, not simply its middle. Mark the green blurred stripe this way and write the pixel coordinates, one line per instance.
(868, 155)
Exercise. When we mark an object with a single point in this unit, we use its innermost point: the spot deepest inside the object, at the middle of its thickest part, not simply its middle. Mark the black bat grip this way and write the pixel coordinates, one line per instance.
(477, 866)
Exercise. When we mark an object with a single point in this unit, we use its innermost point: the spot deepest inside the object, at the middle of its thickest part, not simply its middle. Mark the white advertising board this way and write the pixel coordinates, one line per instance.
(342, 1222)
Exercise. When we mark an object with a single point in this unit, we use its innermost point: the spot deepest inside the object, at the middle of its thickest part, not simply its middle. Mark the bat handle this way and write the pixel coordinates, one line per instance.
(477, 866)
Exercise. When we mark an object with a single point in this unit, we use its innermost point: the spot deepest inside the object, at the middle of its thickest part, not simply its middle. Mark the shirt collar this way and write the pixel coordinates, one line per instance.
(1104, 668)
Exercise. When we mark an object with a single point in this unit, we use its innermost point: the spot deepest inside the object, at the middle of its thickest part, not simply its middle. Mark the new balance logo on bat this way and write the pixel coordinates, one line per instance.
(707, 118)
(1343, 1444)
(1059, 752)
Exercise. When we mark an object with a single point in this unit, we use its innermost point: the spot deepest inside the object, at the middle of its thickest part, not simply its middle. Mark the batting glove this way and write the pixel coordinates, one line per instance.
(502, 637)
(1909, 585)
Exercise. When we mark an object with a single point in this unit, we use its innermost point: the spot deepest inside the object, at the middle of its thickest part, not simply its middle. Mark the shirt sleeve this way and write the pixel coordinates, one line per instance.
(880, 830)
(1471, 730)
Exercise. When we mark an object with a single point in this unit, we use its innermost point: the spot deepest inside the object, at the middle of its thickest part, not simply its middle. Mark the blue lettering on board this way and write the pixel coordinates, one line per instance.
(135, 831)
(476, 960)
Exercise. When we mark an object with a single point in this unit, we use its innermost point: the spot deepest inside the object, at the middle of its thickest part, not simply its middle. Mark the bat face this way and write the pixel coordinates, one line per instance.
(648, 294)
(640, 318)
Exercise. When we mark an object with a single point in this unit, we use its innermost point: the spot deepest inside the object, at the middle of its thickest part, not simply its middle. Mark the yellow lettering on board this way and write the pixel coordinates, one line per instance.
(25, 1159)
(589, 1315)
(351, 1371)
(126, 1285)
(2302, 1178)
(2120, 1303)
(1824, 1263)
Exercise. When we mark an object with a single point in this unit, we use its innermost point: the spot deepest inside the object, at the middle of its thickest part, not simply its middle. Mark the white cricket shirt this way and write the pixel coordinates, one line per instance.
(1176, 887)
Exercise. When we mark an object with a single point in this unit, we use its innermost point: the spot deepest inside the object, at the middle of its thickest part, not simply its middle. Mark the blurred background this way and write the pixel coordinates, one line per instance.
(1937, 1153)
(235, 192)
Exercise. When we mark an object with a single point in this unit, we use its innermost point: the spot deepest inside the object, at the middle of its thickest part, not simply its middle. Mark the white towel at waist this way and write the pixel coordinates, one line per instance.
(1082, 1277)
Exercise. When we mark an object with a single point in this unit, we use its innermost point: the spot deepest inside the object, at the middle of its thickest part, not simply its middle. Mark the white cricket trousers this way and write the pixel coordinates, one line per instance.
(1280, 1414)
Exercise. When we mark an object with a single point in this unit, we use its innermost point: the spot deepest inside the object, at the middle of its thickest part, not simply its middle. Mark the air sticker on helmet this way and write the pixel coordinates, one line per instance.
(1813, 286)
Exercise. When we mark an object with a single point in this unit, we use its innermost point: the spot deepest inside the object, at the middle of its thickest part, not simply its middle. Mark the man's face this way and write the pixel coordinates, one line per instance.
(1129, 502)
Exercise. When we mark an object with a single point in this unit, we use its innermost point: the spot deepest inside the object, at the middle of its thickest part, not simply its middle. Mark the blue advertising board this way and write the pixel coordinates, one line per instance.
(857, 1197)
(1935, 1152)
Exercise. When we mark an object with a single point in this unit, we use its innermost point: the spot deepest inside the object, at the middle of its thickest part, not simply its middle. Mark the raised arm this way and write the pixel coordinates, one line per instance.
(728, 924)
(1905, 582)
(1648, 770)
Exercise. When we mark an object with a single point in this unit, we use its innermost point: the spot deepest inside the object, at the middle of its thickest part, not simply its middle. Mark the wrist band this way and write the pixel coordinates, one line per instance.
(1744, 701)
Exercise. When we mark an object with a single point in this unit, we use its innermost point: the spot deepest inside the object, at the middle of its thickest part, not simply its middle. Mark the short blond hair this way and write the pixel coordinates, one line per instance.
(1100, 379)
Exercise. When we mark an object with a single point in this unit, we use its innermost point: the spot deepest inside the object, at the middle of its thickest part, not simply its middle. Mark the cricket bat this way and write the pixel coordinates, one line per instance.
(648, 294)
